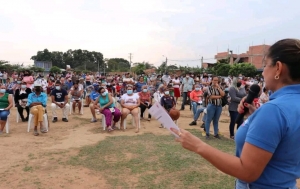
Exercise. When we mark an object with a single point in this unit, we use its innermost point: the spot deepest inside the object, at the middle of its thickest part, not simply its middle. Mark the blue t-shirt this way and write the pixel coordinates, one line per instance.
(94, 95)
(138, 86)
(59, 95)
(275, 127)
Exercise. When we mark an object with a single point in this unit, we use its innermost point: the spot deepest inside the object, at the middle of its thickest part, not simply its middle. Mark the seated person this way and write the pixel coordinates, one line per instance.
(130, 103)
(76, 96)
(59, 99)
(6, 102)
(167, 101)
(145, 100)
(93, 97)
(107, 107)
(196, 98)
(21, 97)
(200, 110)
(37, 102)
(89, 90)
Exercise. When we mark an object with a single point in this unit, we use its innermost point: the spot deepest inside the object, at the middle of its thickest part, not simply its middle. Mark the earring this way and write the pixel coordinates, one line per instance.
(276, 77)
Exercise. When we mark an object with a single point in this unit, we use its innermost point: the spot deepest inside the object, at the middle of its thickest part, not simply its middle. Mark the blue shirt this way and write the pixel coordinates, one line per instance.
(69, 84)
(94, 95)
(275, 127)
(138, 86)
(32, 97)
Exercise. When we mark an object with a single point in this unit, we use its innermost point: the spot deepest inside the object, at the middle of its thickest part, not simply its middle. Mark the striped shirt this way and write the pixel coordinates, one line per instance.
(213, 91)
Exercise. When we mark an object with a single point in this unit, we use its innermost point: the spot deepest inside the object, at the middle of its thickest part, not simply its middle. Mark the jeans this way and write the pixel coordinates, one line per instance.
(242, 185)
(213, 114)
(184, 98)
(194, 107)
(198, 112)
(233, 116)
(4, 114)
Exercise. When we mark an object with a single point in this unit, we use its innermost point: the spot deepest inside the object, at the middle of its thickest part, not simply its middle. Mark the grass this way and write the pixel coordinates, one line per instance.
(150, 161)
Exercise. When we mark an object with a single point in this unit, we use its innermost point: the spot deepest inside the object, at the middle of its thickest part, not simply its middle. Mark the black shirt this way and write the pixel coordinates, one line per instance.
(59, 95)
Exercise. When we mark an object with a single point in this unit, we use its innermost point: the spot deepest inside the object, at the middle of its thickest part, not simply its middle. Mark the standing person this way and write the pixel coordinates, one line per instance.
(21, 98)
(28, 79)
(176, 85)
(166, 78)
(6, 102)
(146, 101)
(214, 107)
(236, 93)
(59, 98)
(267, 144)
(37, 101)
(264, 97)
(186, 88)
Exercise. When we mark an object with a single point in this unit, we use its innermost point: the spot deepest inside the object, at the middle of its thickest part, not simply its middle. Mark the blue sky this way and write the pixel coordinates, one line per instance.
(149, 29)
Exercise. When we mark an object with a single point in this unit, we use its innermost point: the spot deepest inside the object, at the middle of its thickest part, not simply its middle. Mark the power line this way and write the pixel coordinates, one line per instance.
(191, 60)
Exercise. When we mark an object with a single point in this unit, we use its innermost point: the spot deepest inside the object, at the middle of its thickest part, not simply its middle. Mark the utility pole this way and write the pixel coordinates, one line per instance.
(130, 56)
(166, 64)
(201, 62)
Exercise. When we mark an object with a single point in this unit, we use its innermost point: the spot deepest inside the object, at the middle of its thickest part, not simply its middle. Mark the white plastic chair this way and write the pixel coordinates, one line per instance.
(18, 117)
(45, 121)
(7, 124)
(71, 107)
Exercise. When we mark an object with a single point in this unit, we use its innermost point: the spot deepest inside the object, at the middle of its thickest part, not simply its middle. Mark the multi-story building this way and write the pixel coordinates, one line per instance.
(255, 55)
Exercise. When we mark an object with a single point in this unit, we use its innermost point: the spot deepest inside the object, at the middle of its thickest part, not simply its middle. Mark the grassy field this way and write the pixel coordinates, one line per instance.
(151, 161)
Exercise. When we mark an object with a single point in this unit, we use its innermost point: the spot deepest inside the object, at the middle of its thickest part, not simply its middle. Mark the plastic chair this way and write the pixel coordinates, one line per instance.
(7, 124)
(45, 121)
(71, 106)
(18, 117)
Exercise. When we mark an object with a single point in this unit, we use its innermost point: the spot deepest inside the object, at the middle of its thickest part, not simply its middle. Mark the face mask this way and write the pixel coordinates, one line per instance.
(38, 89)
(18, 82)
(187, 76)
(104, 93)
(129, 91)
(145, 90)
(2, 90)
(239, 84)
(108, 83)
(167, 92)
(23, 86)
(57, 87)
(197, 89)
(104, 87)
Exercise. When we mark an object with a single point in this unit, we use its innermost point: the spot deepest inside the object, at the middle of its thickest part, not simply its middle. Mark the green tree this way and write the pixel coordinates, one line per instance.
(36, 69)
(55, 69)
(139, 69)
(222, 69)
(118, 64)
(224, 61)
(245, 69)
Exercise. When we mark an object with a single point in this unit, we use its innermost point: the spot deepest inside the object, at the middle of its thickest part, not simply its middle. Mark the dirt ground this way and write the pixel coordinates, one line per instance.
(38, 162)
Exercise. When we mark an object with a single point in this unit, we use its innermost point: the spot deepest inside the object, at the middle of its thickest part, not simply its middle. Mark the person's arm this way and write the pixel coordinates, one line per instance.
(66, 99)
(44, 100)
(232, 94)
(109, 103)
(193, 96)
(10, 102)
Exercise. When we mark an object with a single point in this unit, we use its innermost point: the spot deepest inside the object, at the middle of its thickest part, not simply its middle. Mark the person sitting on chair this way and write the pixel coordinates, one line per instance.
(76, 98)
(167, 101)
(37, 101)
(6, 102)
(146, 101)
(59, 99)
(130, 103)
(107, 108)
(93, 98)
(21, 97)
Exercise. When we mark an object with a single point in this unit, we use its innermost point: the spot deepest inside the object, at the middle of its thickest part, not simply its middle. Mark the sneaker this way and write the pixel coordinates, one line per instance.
(217, 136)
(203, 125)
(207, 137)
(54, 119)
(93, 120)
(193, 123)
(64, 119)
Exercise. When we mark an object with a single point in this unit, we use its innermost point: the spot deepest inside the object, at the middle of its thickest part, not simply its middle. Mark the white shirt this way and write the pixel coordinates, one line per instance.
(127, 80)
(176, 83)
(130, 100)
(157, 96)
(166, 79)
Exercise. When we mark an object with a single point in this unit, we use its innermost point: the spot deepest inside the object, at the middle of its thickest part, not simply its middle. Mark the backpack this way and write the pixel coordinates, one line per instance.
(225, 100)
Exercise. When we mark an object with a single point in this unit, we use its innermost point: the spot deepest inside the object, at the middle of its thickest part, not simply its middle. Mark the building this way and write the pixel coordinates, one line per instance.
(43, 64)
(255, 55)
(206, 65)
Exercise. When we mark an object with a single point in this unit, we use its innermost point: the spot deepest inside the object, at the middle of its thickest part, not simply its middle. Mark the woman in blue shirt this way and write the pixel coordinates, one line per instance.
(267, 143)
(140, 84)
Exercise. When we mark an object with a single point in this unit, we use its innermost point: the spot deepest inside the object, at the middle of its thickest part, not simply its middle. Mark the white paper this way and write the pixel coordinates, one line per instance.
(159, 113)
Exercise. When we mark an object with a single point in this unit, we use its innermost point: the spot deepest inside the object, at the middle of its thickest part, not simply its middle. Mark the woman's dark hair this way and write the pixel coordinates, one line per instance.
(287, 51)
(141, 77)
(99, 90)
(264, 89)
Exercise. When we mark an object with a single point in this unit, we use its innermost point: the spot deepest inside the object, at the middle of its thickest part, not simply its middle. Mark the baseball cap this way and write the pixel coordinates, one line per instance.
(37, 84)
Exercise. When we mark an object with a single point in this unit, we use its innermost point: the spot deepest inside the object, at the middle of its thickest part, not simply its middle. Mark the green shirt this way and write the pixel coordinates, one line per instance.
(4, 101)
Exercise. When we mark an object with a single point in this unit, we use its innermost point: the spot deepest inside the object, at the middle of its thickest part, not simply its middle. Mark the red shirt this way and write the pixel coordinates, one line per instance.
(194, 95)
(118, 88)
(144, 97)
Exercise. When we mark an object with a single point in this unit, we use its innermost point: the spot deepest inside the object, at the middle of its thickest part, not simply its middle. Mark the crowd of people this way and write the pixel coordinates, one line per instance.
(116, 96)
